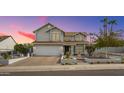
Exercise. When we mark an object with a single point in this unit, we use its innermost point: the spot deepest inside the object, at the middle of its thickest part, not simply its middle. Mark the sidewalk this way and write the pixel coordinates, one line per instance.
(62, 67)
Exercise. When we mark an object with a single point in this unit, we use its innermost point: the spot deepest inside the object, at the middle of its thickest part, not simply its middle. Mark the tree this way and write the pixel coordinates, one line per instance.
(112, 23)
(105, 25)
(109, 38)
(29, 48)
(90, 49)
(109, 41)
(23, 48)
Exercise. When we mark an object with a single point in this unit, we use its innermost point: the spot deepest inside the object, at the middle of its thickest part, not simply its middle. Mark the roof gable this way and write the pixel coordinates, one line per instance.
(53, 27)
(2, 38)
(81, 33)
(74, 33)
(43, 27)
(56, 28)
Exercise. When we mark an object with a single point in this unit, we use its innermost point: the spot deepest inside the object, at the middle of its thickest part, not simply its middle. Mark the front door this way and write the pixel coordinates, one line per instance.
(67, 49)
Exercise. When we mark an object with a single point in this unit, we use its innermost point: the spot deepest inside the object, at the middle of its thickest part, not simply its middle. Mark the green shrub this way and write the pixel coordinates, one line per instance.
(90, 49)
(6, 56)
(68, 54)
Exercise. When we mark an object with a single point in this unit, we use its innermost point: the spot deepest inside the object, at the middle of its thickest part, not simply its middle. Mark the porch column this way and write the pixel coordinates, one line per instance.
(84, 49)
(12, 54)
(72, 50)
(62, 50)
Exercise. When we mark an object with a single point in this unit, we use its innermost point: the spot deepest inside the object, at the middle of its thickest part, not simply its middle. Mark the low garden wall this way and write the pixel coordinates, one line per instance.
(10, 61)
(111, 49)
(114, 59)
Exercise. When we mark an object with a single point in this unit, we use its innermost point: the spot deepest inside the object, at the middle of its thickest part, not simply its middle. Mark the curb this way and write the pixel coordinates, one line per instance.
(61, 68)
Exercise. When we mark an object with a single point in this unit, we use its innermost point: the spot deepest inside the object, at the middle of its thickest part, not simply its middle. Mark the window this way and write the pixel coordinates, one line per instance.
(78, 38)
(49, 26)
(67, 38)
(55, 36)
(79, 49)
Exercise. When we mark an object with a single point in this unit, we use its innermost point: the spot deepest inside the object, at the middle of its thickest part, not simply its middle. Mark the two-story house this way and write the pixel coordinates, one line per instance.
(52, 41)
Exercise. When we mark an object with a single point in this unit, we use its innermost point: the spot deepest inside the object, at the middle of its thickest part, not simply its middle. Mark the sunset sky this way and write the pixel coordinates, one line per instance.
(21, 27)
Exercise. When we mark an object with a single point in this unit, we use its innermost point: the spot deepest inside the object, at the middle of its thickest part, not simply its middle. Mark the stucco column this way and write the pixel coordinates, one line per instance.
(12, 54)
(72, 50)
(84, 49)
(61, 50)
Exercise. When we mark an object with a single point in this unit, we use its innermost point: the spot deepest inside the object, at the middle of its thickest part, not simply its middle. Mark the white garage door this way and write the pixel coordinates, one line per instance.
(47, 50)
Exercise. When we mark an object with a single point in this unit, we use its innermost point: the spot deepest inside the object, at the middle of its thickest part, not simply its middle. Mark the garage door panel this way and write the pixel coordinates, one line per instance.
(47, 50)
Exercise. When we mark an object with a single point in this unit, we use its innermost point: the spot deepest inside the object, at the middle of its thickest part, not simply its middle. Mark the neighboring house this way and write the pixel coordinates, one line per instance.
(52, 41)
(7, 44)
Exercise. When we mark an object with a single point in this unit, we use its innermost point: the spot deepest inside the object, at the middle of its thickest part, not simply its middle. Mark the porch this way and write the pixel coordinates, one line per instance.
(74, 49)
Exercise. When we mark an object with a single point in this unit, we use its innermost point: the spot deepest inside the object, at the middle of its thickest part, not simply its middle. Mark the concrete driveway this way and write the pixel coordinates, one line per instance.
(37, 61)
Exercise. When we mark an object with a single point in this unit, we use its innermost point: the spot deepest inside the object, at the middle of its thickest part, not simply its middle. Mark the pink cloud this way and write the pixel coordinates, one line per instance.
(28, 35)
(19, 30)
(43, 19)
(2, 34)
(15, 27)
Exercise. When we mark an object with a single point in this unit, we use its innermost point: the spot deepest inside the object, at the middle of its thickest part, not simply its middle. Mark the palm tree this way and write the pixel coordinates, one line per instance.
(105, 25)
(111, 38)
(90, 34)
(112, 23)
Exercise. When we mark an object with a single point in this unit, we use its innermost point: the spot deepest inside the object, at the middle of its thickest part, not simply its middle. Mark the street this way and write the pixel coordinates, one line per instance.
(118, 72)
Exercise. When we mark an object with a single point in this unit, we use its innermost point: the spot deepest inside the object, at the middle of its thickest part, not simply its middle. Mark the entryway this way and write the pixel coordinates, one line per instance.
(67, 49)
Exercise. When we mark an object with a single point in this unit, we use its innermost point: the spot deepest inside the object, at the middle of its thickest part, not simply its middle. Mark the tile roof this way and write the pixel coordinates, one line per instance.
(43, 26)
(53, 27)
(74, 33)
(56, 28)
(3, 38)
(66, 33)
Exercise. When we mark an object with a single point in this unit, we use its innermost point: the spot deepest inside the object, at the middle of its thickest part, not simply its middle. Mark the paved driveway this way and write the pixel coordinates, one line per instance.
(36, 61)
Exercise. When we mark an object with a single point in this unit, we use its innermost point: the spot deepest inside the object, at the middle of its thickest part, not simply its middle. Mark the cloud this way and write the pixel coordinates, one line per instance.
(28, 35)
(43, 19)
(15, 27)
(21, 31)
(2, 34)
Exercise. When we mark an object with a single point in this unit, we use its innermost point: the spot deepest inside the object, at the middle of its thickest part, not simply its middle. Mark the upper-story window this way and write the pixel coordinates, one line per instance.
(79, 38)
(69, 38)
(55, 36)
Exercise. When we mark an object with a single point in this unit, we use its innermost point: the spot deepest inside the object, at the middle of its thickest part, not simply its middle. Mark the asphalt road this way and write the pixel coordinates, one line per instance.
(68, 73)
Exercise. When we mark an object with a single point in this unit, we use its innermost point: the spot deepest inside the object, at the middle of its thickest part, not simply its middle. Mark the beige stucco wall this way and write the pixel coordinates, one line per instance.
(60, 33)
(7, 44)
(45, 35)
(79, 35)
(42, 35)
